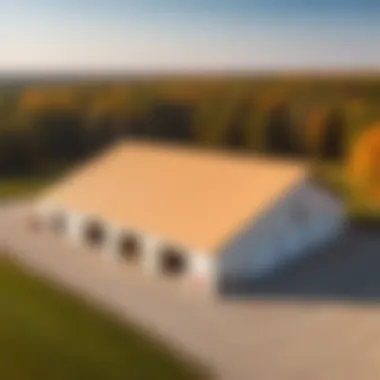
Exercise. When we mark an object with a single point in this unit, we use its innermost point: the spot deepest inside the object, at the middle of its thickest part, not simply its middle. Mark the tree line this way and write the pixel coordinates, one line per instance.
(49, 125)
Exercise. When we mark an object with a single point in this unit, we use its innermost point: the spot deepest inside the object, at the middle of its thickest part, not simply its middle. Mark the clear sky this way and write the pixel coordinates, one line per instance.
(189, 34)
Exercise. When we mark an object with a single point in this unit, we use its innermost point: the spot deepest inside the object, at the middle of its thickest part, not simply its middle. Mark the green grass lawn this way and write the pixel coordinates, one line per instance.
(16, 187)
(46, 334)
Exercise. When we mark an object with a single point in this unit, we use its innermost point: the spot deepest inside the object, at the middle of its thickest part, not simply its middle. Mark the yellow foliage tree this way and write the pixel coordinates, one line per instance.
(185, 93)
(98, 107)
(119, 99)
(63, 99)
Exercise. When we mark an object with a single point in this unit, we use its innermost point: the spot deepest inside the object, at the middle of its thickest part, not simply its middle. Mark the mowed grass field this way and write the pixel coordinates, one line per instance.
(23, 186)
(47, 334)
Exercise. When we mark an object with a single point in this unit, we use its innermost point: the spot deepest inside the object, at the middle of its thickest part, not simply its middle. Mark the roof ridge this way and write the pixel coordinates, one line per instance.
(159, 145)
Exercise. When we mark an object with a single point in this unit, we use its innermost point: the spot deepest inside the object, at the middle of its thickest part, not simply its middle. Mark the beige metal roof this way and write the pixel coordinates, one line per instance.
(192, 197)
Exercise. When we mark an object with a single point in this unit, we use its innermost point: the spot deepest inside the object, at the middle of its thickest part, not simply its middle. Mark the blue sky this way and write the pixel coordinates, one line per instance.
(188, 35)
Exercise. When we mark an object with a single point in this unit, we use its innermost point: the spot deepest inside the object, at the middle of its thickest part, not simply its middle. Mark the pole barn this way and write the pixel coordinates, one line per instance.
(202, 218)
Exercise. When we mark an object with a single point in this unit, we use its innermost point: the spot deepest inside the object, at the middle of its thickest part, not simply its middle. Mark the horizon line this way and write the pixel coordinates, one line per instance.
(188, 72)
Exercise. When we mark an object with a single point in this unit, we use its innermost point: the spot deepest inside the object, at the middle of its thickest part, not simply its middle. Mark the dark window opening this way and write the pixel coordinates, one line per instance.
(94, 233)
(173, 262)
(129, 247)
(58, 223)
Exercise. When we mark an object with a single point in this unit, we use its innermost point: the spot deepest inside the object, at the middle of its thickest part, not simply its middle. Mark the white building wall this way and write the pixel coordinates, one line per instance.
(265, 244)
(200, 273)
(279, 237)
(203, 275)
(45, 210)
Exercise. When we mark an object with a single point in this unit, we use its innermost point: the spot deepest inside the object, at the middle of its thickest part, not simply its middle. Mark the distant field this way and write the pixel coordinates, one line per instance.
(48, 335)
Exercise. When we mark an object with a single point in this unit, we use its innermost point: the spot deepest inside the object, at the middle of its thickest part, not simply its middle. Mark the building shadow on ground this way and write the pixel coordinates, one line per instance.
(347, 269)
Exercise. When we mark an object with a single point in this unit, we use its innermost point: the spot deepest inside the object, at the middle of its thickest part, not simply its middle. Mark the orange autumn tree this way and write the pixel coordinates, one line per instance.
(364, 162)
(33, 99)
(57, 98)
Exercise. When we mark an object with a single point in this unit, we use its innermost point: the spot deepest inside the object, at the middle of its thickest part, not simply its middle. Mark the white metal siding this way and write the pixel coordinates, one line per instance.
(277, 238)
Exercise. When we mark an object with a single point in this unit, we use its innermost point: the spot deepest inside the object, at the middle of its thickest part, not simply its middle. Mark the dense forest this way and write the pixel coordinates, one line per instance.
(46, 125)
